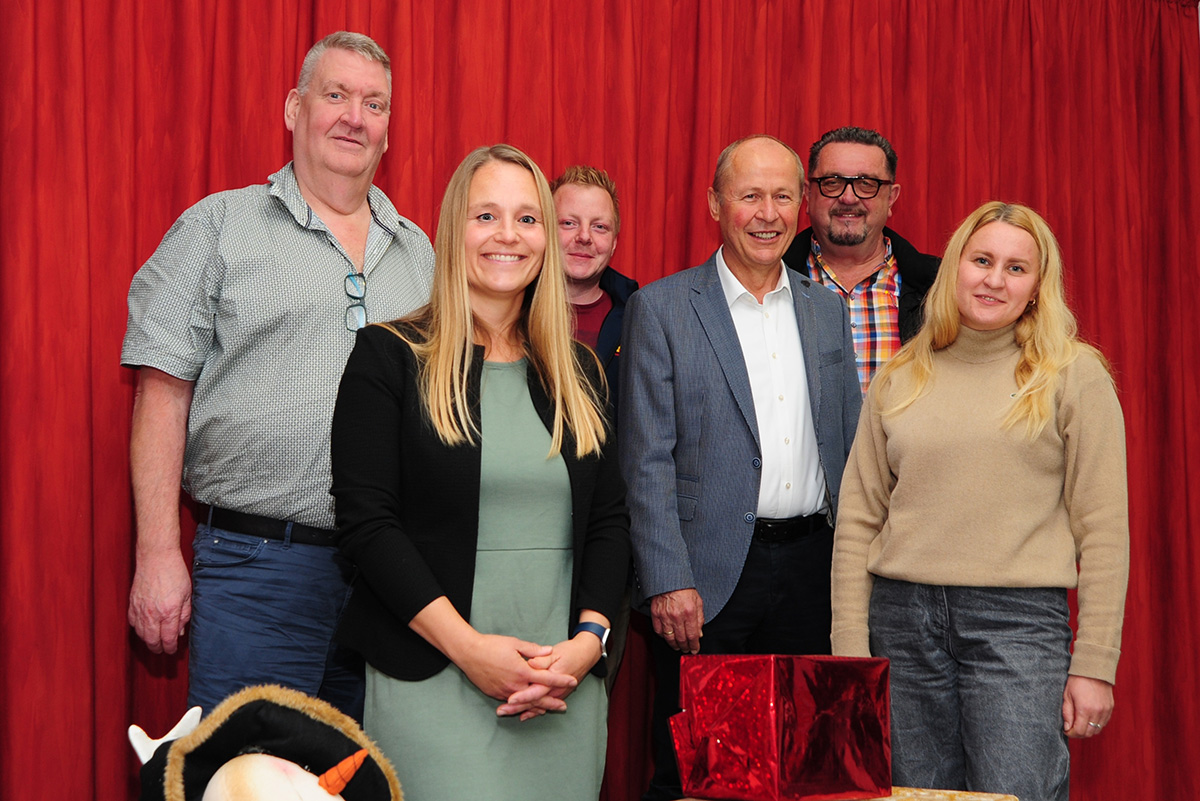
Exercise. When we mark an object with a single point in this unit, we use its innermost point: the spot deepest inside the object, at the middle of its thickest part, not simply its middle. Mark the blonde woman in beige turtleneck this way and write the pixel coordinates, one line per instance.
(987, 478)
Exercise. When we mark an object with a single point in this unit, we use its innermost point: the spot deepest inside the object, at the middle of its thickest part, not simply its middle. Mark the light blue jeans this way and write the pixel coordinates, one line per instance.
(977, 679)
(265, 611)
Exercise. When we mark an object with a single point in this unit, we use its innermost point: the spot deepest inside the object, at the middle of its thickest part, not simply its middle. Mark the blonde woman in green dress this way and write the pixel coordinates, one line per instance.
(478, 494)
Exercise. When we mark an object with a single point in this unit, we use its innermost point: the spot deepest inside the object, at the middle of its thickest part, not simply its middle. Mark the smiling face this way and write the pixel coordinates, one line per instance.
(586, 230)
(757, 206)
(339, 125)
(505, 235)
(997, 276)
(847, 220)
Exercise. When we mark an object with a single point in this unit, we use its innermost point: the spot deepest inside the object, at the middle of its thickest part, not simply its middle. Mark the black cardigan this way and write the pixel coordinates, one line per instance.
(407, 509)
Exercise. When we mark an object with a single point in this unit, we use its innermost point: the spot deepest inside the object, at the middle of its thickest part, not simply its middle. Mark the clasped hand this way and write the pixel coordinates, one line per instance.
(568, 662)
(531, 679)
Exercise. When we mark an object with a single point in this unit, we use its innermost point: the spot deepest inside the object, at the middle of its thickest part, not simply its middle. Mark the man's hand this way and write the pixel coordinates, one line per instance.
(160, 603)
(1087, 706)
(678, 618)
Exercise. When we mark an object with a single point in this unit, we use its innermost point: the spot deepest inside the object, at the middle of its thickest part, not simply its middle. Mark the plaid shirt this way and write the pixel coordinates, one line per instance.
(874, 309)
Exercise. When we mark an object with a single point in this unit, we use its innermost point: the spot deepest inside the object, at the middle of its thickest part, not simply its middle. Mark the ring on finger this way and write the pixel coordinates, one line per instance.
(1096, 726)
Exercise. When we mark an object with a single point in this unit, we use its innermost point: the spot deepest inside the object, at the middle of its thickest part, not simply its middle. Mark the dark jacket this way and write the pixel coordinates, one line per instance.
(407, 509)
(917, 271)
(619, 288)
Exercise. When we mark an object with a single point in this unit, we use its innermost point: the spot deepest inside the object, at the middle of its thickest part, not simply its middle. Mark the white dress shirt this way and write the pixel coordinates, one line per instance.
(792, 481)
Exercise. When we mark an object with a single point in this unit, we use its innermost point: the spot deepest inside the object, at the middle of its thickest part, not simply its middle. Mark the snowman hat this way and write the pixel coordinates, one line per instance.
(267, 719)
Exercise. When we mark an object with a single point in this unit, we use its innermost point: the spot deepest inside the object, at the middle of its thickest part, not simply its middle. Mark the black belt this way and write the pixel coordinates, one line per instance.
(788, 529)
(269, 528)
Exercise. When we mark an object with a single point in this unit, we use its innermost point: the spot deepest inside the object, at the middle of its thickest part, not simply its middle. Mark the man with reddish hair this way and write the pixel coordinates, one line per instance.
(589, 220)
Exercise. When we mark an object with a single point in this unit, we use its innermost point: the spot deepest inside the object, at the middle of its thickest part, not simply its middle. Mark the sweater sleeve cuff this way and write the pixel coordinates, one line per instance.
(851, 642)
(1095, 662)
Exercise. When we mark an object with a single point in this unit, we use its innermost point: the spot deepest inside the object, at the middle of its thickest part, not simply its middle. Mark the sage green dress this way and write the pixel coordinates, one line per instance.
(442, 734)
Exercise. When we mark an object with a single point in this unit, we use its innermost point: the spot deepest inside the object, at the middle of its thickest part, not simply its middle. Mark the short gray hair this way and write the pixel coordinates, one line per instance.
(359, 43)
(724, 160)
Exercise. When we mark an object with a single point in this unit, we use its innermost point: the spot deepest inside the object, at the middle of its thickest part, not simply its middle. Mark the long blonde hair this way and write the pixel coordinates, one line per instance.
(447, 329)
(1046, 331)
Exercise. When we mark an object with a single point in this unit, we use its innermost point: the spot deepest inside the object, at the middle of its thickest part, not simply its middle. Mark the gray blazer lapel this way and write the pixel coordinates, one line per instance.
(807, 321)
(708, 299)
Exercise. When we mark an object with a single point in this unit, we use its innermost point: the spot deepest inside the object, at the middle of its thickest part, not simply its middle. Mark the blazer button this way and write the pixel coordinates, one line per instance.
(749, 517)
(756, 462)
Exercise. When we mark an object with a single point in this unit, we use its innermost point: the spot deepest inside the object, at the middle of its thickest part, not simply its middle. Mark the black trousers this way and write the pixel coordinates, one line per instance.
(780, 606)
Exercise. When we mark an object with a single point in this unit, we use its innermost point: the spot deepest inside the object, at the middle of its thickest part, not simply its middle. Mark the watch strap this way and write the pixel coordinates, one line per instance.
(597, 629)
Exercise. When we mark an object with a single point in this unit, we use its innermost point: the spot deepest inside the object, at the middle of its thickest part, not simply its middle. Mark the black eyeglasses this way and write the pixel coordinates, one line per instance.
(356, 290)
(864, 188)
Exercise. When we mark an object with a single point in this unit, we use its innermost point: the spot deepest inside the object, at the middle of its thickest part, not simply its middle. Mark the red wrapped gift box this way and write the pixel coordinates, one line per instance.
(783, 728)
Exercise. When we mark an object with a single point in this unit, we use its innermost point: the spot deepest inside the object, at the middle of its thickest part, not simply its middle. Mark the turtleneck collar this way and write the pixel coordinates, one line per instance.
(978, 347)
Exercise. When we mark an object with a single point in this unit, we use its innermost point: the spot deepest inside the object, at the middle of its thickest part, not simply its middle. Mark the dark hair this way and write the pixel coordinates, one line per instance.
(853, 135)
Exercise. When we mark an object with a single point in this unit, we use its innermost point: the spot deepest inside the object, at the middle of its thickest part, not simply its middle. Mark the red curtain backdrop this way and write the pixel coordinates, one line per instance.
(119, 114)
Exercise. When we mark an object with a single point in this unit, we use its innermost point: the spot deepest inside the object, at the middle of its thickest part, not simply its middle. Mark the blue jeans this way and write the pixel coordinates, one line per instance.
(265, 611)
(977, 679)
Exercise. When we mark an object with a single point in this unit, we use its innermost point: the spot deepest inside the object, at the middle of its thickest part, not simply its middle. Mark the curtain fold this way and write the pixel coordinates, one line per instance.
(120, 114)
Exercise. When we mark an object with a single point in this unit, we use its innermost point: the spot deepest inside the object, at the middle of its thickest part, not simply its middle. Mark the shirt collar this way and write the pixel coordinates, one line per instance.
(817, 264)
(733, 288)
(285, 187)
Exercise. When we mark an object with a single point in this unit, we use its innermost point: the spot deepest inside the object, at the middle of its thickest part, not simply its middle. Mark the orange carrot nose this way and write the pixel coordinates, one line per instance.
(336, 778)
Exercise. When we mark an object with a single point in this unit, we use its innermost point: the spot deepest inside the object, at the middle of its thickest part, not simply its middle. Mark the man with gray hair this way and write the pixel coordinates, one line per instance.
(240, 324)
(739, 402)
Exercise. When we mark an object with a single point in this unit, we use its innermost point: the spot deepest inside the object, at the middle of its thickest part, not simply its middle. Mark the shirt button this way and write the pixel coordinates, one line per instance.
(788, 485)
(787, 440)
(781, 397)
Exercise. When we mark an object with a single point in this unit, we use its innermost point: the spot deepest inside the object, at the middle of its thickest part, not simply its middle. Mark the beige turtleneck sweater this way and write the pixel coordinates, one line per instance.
(942, 493)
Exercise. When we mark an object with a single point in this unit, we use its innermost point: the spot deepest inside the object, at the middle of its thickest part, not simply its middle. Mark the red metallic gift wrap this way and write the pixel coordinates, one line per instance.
(783, 728)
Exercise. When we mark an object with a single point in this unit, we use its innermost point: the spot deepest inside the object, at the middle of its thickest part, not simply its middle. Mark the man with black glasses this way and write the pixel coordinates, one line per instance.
(851, 190)
(240, 324)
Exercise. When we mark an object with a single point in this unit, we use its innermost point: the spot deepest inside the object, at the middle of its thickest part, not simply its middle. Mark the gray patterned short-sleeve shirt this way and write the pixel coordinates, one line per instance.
(246, 297)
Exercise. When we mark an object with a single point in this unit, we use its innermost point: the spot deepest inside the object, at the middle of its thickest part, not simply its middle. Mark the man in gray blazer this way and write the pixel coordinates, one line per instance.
(739, 398)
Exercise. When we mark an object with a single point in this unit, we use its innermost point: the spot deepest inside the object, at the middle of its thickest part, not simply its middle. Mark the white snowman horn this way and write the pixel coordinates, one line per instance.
(145, 747)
